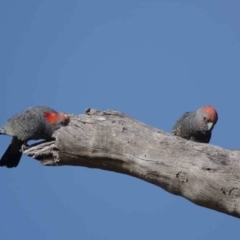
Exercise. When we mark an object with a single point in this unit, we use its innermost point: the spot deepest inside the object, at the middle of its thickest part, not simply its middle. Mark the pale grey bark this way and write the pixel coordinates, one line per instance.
(206, 175)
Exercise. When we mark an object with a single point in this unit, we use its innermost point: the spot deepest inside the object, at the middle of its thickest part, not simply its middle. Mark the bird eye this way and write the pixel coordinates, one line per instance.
(62, 123)
(205, 118)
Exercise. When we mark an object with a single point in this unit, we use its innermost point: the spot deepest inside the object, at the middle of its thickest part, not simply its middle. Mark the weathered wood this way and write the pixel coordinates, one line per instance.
(206, 175)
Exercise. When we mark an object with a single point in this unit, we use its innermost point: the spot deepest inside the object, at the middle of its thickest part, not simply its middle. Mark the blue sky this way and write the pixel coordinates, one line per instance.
(153, 60)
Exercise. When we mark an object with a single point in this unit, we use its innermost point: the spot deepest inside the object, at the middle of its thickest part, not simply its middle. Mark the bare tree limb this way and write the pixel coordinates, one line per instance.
(206, 175)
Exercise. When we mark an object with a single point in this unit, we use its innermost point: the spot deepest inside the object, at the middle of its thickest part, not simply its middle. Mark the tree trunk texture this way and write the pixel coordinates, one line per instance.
(204, 174)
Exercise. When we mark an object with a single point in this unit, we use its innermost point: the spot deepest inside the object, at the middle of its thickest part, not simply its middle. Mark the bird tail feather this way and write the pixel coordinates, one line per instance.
(12, 155)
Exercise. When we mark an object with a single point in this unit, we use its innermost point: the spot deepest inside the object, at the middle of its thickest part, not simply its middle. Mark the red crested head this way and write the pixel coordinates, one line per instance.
(206, 118)
(56, 118)
(210, 114)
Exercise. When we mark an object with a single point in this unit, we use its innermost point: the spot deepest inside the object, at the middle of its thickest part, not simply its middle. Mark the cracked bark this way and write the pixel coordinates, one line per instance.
(204, 174)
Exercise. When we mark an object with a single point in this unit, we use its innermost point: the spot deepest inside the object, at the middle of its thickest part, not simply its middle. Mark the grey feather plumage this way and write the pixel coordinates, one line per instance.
(27, 125)
(186, 127)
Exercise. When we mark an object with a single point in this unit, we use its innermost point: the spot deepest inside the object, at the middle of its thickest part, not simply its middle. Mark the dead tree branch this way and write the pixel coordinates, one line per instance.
(206, 175)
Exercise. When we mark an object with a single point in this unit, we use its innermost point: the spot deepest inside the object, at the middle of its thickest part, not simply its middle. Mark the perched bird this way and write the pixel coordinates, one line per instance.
(197, 126)
(32, 124)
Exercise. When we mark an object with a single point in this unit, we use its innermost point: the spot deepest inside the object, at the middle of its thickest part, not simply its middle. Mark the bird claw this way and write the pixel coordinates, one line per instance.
(24, 147)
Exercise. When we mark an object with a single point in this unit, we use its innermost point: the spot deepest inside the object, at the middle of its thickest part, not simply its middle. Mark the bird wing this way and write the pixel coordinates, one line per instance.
(179, 122)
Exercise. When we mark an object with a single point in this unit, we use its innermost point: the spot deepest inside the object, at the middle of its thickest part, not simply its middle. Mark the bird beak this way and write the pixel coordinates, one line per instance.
(210, 125)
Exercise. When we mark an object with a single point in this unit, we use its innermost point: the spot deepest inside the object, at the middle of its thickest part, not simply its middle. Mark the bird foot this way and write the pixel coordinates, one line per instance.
(24, 147)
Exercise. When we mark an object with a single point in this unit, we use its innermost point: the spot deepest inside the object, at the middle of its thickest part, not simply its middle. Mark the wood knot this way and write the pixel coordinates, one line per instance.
(182, 177)
(124, 129)
(209, 169)
(87, 110)
(91, 111)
